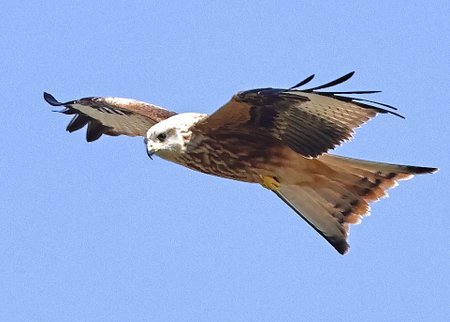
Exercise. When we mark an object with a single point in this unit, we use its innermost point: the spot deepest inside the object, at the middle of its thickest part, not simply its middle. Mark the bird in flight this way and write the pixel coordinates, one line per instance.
(278, 138)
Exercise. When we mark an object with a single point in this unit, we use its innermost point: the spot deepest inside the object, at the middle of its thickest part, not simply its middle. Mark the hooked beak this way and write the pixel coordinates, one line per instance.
(150, 153)
(152, 149)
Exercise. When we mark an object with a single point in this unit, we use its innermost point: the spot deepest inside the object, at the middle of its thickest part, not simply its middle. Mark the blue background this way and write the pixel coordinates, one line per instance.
(99, 232)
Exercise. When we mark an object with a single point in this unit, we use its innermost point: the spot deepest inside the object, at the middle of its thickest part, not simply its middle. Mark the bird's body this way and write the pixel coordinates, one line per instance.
(278, 138)
(221, 154)
(339, 187)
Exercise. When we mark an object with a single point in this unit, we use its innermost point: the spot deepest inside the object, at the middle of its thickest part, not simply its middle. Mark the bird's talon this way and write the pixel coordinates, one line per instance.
(270, 183)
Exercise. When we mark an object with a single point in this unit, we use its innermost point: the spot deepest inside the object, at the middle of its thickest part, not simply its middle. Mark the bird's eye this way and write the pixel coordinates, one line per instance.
(162, 136)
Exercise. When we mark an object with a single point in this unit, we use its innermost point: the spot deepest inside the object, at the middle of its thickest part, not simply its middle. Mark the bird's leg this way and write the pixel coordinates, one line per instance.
(270, 183)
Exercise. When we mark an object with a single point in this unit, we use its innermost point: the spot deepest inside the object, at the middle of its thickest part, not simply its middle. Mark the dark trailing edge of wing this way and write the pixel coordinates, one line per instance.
(95, 129)
(340, 245)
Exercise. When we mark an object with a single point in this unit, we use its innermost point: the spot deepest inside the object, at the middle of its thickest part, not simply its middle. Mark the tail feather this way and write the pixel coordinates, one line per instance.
(340, 192)
(302, 203)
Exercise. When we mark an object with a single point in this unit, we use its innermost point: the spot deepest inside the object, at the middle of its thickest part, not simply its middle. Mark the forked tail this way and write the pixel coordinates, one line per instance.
(340, 191)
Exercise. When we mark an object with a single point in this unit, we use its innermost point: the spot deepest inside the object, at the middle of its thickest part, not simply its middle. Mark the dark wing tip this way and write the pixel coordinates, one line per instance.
(332, 83)
(77, 122)
(340, 245)
(356, 100)
(303, 82)
(50, 99)
(95, 130)
(421, 170)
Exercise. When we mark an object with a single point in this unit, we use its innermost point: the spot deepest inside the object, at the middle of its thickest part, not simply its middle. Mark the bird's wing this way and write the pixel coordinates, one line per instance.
(309, 121)
(110, 115)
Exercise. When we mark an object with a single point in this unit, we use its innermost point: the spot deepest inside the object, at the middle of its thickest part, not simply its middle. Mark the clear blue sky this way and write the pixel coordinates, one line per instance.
(99, 232)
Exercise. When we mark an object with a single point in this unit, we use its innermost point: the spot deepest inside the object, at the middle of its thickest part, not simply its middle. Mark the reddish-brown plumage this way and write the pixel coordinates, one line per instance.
(279, 136)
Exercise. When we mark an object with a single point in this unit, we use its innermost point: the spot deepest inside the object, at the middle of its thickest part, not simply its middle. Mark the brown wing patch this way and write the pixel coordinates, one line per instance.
(309, 121)
(110, 116)
(232, 114)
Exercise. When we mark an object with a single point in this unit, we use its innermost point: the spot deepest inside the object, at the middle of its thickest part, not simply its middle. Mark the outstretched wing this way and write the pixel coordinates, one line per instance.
(110, 115)
(309, 121)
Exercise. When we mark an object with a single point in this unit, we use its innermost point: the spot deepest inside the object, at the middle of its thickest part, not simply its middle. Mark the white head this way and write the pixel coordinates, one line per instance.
(168, 138)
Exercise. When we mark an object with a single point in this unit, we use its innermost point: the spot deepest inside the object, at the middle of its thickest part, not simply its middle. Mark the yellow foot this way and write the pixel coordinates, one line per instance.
(270, 183)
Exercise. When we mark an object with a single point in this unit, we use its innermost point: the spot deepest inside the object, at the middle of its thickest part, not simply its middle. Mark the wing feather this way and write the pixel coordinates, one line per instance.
(78, 122)
(110, 115)
(309, 121)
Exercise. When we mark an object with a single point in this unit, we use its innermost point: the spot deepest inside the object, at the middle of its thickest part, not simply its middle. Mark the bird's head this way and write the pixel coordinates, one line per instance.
(167, 139)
